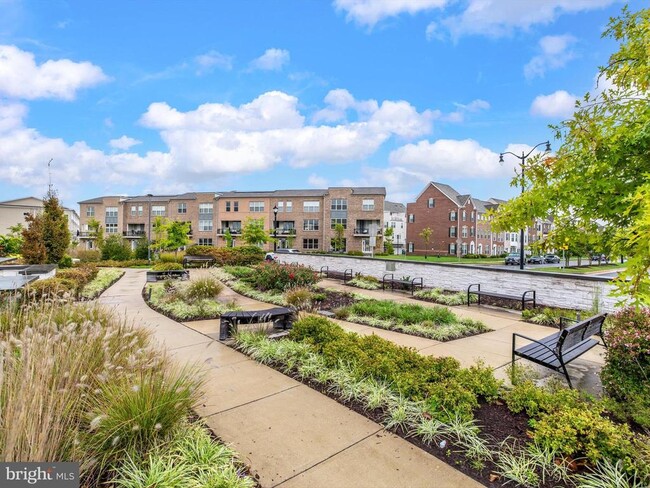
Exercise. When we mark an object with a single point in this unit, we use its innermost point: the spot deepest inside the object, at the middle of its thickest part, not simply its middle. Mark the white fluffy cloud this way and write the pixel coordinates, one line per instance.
(560, 104)
(369, 12)
(22, 78)
(221, 138)
(124, 143)
(555, 52)
(272, 60)
(458, 115)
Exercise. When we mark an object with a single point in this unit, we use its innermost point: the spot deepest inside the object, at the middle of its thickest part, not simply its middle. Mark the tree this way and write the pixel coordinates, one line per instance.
(228, 237)
(177, 235)
(141, 249)
(388, 240)
(339, 238)
(34, 251)
(96, 232)
(601, 172)
(56, 234)
(253, 232)
(116, 248)
(426, 235)
(12, 242)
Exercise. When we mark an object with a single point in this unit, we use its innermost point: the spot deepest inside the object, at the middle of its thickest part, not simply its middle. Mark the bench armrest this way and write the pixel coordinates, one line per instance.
(417, 281)
(477, 285)
(515, 335)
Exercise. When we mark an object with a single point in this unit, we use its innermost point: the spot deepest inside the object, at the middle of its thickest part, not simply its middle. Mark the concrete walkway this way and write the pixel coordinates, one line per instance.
(291, 435)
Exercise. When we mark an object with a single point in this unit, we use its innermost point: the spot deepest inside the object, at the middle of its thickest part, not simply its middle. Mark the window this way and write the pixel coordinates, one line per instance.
(452, 231)
(310, 243)
(431, 203)
(280, 206)
(471, 216)
(205, 208)
(235, 206)
(452, 215)
(205, 225)
(134, 210)
(343, 222)
(471, 231)
(158, 210)
(111, 212)
(311, 207)
(368, 205)
(464, 215)
(411, 247)
(310, 224)
(463, 232)
(140, 210)
(411, 218)
(256, 206)
(182, 208)
(207, 241)
(227, 206)
(452, 248)
(289, 206)
(463, 248)
(339, 204)
(90, 211)
(111, 228)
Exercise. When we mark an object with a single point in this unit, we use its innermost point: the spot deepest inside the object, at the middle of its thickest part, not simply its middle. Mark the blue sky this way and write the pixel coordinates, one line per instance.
(168, 96)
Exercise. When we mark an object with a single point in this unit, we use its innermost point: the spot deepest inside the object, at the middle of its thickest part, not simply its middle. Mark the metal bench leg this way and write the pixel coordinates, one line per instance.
(224, 327)
(566, 373)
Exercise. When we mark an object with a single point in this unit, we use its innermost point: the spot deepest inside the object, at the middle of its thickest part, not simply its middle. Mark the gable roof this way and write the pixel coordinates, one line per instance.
(394, 207)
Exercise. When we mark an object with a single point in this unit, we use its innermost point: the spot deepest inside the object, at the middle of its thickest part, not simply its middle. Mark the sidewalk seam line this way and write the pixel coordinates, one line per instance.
(253, 401)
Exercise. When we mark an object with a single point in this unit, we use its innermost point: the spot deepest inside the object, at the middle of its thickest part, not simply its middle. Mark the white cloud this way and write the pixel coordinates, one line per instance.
(555, 53)
(22, 78)
(369, 12)
(560, 104)
(272, 60)
(317, 181)
(448, 159)
(462, 109)
(212, 59)
(496, 18)
(124, 143)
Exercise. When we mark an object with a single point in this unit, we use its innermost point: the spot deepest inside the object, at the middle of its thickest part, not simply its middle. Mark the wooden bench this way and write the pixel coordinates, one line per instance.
(280, 316)
(559, 349)
(202, 260)
(182, 274)
(338, 275)
(525, 298)
(408, 284)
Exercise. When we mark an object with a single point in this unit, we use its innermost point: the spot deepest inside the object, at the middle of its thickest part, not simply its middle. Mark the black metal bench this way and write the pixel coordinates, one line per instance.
(525, 298)
(181, 274)
(280, 316)
(201, 260)
(401, 284)
(338, 275)
(559, 349)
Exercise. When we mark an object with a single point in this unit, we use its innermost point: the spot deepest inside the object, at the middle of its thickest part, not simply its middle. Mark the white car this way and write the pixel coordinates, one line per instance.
(270, 257)
(288, 251)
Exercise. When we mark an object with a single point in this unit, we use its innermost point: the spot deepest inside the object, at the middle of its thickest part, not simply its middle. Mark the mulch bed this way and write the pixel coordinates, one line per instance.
(334, 299)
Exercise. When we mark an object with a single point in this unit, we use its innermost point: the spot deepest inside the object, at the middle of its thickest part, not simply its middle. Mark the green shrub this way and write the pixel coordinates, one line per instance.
(581, 431)
(240, 272)
(299, 298)
(526, 396)
(104, 279)
(116, 248)
(438, 295)
(166, 267)
(122, 264)
(141, 249)
(316, 330)
(89, 256)
(626, 374)
(354, 253)
(171, 257)
(281, 277)
(50, 288)
(229, 256)
(65, 262)
(449, 399)
(203, 288)
(365, 282)
(402, 313)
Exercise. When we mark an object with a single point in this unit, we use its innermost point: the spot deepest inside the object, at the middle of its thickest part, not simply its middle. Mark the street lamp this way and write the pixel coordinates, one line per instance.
(275, 228)
(522, 158)
(149, 233)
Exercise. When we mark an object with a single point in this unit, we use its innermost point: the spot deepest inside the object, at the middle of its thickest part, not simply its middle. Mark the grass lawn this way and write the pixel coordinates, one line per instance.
(446, 259)
(581, 269)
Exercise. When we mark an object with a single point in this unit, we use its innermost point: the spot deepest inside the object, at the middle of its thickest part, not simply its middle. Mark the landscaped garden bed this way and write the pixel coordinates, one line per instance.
(117, 406)
(81, 283)
(528, 436)
(444, 297)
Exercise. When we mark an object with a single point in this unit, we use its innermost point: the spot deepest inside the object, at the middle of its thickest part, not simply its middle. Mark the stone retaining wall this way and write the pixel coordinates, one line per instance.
(553, 289)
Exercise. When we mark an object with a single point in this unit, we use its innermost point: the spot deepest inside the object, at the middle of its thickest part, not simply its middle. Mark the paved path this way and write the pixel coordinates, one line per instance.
(291, 435)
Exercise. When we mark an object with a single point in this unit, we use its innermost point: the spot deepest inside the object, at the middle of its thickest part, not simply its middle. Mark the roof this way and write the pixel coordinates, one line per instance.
(272, 193)
(394, 207)
(481, 205)
(98, 199)
(161, 198)
(21, 201)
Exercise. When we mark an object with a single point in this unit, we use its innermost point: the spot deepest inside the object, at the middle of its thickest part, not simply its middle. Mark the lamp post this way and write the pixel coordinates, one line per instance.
(149, 233)
(275, 228)
(522, 164)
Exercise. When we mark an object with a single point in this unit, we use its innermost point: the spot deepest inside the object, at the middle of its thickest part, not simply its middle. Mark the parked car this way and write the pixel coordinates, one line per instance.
(535, 260)
(601, 258)
(512, 258)
(270, 257)
(288, 251)
(551, 258)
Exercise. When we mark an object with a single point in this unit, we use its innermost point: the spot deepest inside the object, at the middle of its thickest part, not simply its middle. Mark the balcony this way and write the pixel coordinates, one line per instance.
(233, 231)
(134, 234)
(84, 234)
(361, 231)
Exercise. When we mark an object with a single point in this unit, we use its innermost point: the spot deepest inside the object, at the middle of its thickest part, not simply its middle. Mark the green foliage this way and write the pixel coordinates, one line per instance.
(12, 242)
(229, 256)
(170, 257)
(600, 177)
(167, 267)
(228, 237)
(104, 279)
(240, 272)
(174, 299)
(388, 241)
(339, 238)
(96, 232)
(354, 253)
(364, 282)
(253, 232)
(89, 256)
(426, 234)
(402, 313)
(438, 295)
(65, 262)
(626, 374)
(33, 249)
(535, 401)
(203, 289)
(281, 277)
(141, 249)
(50, 288)
(116, 248)
(56, 235)
(176, 235)
(300, 298)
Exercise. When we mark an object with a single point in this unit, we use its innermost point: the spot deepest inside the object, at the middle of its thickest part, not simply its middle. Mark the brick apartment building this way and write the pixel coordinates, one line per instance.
(305, 219)
(459, 225)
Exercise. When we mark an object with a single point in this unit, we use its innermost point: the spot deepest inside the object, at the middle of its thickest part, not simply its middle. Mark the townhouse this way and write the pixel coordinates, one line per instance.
(460, 225)
(303, 219)
(395, 218)
(13, 212)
